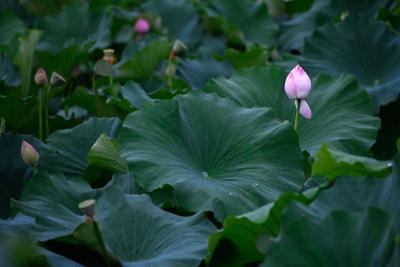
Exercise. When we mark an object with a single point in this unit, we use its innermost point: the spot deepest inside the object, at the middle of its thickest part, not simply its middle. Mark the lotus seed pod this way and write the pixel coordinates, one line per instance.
(29, 154)
(142, 26)
(109, 56)
(41, 77)
(88, 207)
(297, 84)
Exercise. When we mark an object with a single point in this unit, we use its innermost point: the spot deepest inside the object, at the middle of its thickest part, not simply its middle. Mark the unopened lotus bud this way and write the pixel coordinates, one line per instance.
(88, 207)
(56, 79)
(109, 56)
(41, 77)
(142, 26)
(297, 84)
(29, 154)
(179, 47)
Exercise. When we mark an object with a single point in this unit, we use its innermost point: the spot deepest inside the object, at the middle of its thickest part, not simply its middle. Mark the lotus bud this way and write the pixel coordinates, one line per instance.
(142, 26)
(41, 77)
(56, 79)
(29, 154)
(305, 110)
(88, 207)
(179, 47)
(297, 84)
(109, 56)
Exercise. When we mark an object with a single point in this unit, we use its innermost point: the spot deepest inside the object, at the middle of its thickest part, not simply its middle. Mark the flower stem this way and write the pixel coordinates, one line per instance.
(296, 116)
(40, 114)
(111, 81)
(46, 109)
(96, 94)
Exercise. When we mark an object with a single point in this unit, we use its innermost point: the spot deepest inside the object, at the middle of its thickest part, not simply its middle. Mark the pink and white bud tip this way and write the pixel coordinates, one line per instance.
(142, 26)
(29, 154)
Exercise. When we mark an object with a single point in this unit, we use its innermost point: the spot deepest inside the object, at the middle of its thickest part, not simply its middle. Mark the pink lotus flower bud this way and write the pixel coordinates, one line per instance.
(142, 26)
(297, 84)
(29, 154)
(305, 110)
(41, 77)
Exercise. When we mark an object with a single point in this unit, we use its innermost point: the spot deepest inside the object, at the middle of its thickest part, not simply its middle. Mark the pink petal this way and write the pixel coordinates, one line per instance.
(305, 110)
(303, 82)
(290, 86)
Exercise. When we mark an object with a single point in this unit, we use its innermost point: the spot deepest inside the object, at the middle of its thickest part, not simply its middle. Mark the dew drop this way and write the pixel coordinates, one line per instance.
(205, 174)
(230, 193)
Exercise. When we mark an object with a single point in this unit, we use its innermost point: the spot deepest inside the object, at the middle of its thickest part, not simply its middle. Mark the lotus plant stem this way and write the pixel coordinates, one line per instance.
(99, 238)
(296, 116)
(111, 81)
(96, 94)
(46, 109)
(40, 114)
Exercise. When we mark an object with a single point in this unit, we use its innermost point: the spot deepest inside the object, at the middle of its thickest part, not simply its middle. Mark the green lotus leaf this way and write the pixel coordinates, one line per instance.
(134, 231)
(351, 127)
(254, 56)
(8, 73)
(134, 94)
(185, 27)
(218, 156)
(333, 163)
(75, 25)
(198, 71)
(368, 49)
(67, 150)
(105, 153)
(366, 240)
(252, 19)
(243, 238)
(10, 27)
(144, 61)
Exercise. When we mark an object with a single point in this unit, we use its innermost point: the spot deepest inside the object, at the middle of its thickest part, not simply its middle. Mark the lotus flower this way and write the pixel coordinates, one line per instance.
(29, 154)
(142, 26)
(298, 86)
(41, 77)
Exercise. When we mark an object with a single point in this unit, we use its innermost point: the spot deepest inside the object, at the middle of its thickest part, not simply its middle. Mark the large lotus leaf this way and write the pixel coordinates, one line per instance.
(333, 163)
(75, 25)
(143, 62)
(185, 27)
(134, 231)
(294, 31)
(340, 239)
(368, 49)
(10, 26)
(355, 194)
(250, 18)
(148, 236)
(218, 156)
(197, 72)
(13, 171)
(350, 127)
(8, 73)
(243, 238)
(67, 150)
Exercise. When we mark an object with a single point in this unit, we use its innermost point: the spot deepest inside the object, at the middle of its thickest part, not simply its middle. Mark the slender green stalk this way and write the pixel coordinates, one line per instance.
(111, 81)
(101, 242)
(296, 116)
(40, 114)
(96, 94)
(46, 109)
